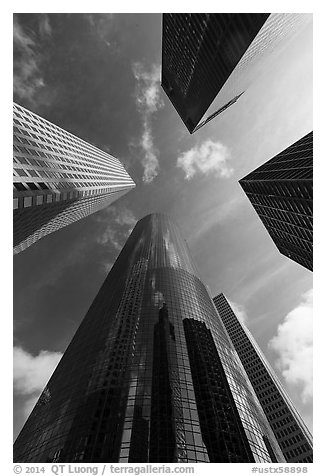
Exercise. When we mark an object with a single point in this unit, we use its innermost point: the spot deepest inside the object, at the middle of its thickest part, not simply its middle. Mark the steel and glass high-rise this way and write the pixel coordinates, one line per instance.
(212, 58)
(199, 52)
(150, 375)
(281, 192)
(58, 178)
(292, 435)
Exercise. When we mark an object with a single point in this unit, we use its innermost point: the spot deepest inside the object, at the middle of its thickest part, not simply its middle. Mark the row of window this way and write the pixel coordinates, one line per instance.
(298, 451)
(39, 158)
(290, 230)
(51, 129)
(296, 220)
(74, 212)
(281, 203)
(42, 150)
(290, 241)
(95, 158)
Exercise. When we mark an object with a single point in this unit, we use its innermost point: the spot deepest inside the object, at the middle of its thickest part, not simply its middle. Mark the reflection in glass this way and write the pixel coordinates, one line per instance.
(148, 357)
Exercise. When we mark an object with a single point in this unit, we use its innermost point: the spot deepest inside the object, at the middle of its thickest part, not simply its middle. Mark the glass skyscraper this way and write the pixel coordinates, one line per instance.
(150, 375)
(281, 192)
(213, 58)
(58, 178)
(289, 429)
(199, 52)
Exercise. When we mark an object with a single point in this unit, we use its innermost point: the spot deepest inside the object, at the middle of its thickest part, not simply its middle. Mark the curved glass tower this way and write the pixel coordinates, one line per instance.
(150, 375)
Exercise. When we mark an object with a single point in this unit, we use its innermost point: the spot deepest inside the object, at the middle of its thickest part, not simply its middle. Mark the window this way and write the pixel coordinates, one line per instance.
(27, 202)
(39, 200)
(21, 172)
(32, 185)
(19, 187)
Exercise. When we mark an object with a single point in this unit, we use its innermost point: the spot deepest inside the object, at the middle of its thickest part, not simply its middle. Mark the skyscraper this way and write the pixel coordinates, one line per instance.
(210, 59)
(280, 191)
(199, 52)
(290, 431)
(150, 375)
(58, 178)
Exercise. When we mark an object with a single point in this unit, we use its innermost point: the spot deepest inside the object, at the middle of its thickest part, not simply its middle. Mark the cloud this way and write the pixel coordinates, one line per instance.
(118, 223)
(100, 23)
(148, 96)
(107, 266)
(103, 26)
(44, 25)
(208, 158)
(27, 76)
(239, 311)
(150, 160)
(109, 237)
(293, 344)
(29, 404)
(31, 374)
(126, 217)
(148, 101)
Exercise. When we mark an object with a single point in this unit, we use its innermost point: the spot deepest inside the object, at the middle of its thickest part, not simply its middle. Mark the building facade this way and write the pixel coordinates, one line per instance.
(58, 178)
(199, 52)
(289, 429)
(281, 192)
(150, 375)
(210, 59)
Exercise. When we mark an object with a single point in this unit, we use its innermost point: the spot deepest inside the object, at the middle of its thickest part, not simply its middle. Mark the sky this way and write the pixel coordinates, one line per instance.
(98, 76)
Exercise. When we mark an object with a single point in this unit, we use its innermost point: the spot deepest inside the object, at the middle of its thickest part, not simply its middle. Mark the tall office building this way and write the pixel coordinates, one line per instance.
(150, 375)
(199, 52)
(58, 178)
(280, 191)
(290, 431)
(212, 58)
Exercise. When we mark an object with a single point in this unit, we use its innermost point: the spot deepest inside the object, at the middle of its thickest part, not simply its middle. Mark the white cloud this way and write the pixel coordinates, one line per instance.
(103, 26)
(293, 344)
(149, 161)
(119, 223)
(29, 404)
(27, 75)
(207, 158)
(239, 311)
(31, 373)
(149, 101)
(126, 217)
(44, 25)
(109, 237)
(107, 267)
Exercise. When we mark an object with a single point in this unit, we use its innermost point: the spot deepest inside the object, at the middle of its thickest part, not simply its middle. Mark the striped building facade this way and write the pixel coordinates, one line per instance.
(289, 429)
(281, 192)
(58, 178)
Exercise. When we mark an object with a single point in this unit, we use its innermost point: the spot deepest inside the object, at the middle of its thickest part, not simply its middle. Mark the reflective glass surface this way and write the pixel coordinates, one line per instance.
(150, 375)
(199, 52)
(290, 431)
(281, 192)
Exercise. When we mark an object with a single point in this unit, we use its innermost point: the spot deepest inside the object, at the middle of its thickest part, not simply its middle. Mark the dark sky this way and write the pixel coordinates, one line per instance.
(97, 76)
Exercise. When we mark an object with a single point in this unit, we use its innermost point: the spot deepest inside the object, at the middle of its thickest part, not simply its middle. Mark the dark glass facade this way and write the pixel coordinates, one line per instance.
(199, 53)
(290, 431)
(150, 375)
(281, 192)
